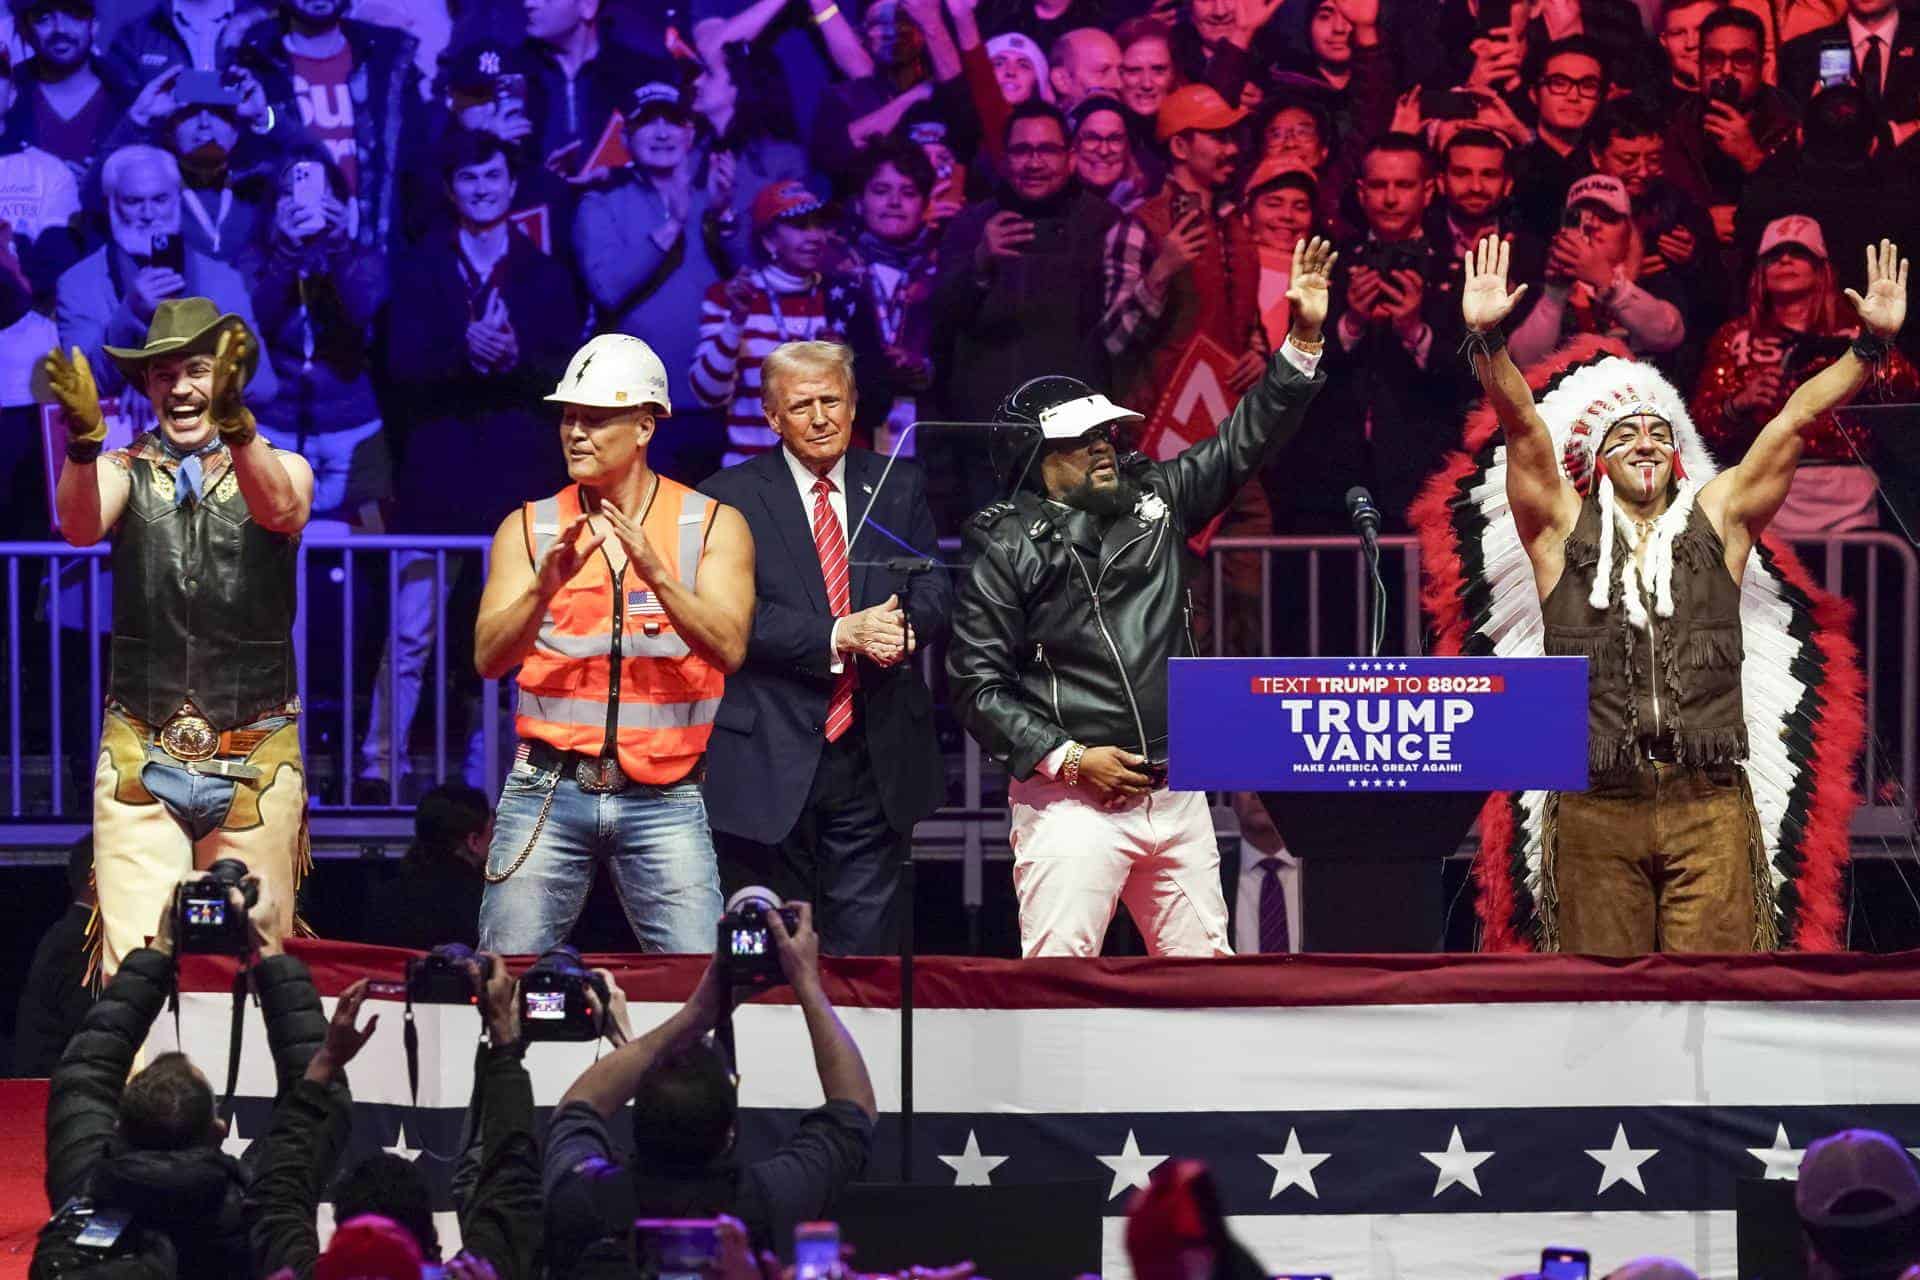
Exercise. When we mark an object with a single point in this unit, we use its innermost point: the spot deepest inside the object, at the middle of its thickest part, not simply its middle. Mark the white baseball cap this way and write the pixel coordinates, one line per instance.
(1795, 228)
(614, 371)
(1604, 190)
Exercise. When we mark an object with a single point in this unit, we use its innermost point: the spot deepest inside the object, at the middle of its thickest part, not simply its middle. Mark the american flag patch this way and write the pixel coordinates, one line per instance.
(644, 603)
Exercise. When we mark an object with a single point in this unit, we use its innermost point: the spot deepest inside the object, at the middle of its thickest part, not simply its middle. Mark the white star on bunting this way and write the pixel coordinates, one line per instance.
(970, 1168)
(1621, 1163)
(1456, 1164)
(1130, 1168)
(1294, 1167)
(1782, 1158)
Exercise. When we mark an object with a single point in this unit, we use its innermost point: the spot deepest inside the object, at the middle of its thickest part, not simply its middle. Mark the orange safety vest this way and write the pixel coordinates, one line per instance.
(659, 697)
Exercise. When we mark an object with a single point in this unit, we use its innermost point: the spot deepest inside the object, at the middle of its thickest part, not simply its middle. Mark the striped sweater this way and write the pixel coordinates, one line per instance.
(726, 364)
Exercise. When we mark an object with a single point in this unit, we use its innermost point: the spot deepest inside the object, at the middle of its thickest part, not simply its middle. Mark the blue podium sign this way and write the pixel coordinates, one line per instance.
(1377, 724)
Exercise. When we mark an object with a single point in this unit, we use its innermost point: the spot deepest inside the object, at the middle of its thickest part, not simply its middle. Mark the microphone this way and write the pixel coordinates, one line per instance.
(1364, 515)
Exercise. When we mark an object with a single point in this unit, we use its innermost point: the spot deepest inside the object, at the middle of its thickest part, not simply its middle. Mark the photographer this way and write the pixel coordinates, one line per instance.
(500, 1220)
(685, 1102)
(150, 1147)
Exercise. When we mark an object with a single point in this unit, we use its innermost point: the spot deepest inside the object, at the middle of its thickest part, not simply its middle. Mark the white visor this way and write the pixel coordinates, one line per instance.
(1075, 418)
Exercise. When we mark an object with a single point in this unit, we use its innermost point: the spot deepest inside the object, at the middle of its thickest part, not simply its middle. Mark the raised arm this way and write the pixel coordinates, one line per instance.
(1748, 495)
(277, 486)
(89, 498)
(514, 601)
(1543, 502)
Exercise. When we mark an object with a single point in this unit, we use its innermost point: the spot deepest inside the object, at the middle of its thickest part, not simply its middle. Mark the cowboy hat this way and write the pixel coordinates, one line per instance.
(183, 326)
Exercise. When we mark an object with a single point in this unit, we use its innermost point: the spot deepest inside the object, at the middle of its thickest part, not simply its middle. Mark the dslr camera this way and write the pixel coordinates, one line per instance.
(747, 941)
(442, 977)
(204, 920)
(553, 998)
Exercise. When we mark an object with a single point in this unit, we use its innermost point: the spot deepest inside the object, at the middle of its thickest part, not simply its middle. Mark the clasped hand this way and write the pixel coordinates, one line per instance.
(881, 634)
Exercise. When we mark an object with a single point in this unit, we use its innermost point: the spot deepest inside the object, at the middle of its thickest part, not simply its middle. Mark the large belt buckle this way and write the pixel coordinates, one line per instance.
(189, 739)
(600, 776)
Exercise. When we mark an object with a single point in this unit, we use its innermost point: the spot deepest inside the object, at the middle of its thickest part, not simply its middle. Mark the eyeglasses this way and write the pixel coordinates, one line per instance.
(1562, 86)
(1744, 60)
(1035, 151)
(1109, 142)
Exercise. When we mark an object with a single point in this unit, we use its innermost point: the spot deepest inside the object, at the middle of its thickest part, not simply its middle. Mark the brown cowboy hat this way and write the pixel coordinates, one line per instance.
(184, 326)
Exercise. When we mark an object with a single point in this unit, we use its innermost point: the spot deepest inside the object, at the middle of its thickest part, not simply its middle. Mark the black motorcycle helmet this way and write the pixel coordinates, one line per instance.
(1043, 410)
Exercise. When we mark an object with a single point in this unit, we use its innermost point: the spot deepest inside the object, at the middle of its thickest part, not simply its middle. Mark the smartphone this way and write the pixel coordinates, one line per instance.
(1049, 236)
(169, 251)
(1448, 104)
(1182, 203)
(1836, 63)
(950, 189)
(307, 184)
(1494, 15)
(1557, 1263)
(676, 1248)
(816, 1250)
(205, 88)
(510, 85)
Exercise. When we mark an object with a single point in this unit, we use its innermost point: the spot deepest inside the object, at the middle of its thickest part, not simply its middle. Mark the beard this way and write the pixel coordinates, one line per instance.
(1105, 500)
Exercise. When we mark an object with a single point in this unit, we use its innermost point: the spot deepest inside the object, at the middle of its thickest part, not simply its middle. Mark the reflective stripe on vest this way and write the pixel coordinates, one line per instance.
(633, 715)
(663, 696)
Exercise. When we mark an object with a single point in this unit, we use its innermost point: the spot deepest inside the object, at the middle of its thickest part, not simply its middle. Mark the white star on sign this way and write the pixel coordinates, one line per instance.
(1782, 1159)
(1456, 1165)
(1621, 1163)
(1130, 1168)
(1294, 1167)
(970, 1168)
(1350, 666)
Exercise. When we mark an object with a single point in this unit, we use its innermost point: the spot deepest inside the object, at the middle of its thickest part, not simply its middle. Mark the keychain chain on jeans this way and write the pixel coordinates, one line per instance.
(546, 807)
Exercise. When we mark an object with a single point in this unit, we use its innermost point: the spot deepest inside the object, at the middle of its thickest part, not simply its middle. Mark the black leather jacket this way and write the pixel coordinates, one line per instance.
(1062, 629)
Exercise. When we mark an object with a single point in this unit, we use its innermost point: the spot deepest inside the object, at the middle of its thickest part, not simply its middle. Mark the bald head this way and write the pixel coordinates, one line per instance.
(1084, 61)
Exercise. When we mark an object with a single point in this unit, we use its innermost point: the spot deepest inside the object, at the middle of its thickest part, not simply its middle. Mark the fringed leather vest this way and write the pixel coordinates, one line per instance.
(1678, 679)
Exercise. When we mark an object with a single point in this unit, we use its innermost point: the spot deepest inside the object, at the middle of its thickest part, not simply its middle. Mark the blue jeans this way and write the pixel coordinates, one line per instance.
(654, 840)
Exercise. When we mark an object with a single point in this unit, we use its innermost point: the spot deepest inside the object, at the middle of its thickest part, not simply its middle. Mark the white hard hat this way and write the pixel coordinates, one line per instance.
(614, 371)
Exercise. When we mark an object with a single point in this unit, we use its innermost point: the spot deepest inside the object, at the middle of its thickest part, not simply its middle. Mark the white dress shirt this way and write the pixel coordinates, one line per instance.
(1886, 28)
(1246, 900)
(803, 480)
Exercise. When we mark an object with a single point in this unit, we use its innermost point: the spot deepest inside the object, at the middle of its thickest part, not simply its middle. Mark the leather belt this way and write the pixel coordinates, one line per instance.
(595, 775)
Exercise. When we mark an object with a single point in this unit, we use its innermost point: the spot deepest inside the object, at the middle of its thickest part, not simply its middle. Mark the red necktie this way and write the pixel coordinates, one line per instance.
(831, 544)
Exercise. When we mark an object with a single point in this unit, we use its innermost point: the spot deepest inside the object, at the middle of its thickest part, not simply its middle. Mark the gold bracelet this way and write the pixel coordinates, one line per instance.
(1305, 347)
(822, 17)
(1070, 766)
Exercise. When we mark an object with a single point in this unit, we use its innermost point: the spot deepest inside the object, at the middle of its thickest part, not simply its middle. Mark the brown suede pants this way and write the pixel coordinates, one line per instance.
(1667, 858)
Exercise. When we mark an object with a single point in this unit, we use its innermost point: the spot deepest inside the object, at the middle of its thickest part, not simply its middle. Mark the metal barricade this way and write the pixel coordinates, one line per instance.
(56, 672)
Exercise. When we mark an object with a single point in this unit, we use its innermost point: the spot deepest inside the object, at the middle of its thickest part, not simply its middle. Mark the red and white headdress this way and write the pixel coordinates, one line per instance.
(1800, 681)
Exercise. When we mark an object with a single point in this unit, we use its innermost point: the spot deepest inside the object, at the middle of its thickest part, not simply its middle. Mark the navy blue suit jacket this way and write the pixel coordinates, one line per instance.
(767, 734)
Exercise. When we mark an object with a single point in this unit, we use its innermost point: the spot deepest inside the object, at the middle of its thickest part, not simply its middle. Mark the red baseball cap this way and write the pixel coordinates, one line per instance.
(1196, 106)
(787, 198)
(369, 1247)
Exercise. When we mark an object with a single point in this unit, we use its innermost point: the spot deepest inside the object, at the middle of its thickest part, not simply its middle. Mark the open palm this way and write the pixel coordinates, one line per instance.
(1884, 308)
(1484, 300)
(1308, 286)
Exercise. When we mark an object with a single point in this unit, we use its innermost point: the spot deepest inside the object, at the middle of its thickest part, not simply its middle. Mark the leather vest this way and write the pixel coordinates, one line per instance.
(1682, 681)
(203, 599)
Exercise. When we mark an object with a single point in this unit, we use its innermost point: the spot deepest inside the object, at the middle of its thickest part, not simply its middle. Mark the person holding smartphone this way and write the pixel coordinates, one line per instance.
(1075, 601)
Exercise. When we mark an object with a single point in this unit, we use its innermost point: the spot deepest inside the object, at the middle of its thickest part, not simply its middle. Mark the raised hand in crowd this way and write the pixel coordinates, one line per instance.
(148, 287)
(720, 179)
(1310, 287)
(1497, 114)
(1365, 290)
(345, 1037)
(799, 951)
(619, 1026)
(154, 103)
(566, 557)
(1185, 241)
(464, 1266)
(1005, 235)
(1730, 131)
(880, 633)
(740, 290)
(252, 109)
(226, 405)
(499, 998)
(1254, 16)
(1484, 299)
(1406, 113)
(1497, 56)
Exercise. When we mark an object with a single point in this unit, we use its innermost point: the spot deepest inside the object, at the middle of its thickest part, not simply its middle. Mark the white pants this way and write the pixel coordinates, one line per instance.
(1074, 861)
